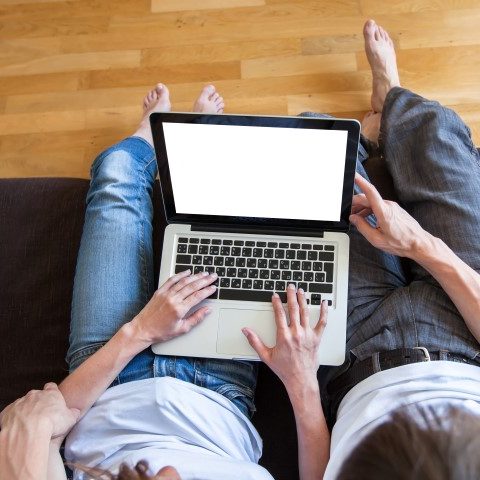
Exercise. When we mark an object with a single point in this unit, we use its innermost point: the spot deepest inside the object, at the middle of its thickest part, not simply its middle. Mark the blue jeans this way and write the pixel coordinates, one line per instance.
(114, 278)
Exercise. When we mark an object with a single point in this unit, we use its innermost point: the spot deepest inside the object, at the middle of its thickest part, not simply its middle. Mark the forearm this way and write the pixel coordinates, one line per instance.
(24, 451)
(312, 431)
(460, 282)
(83, 386)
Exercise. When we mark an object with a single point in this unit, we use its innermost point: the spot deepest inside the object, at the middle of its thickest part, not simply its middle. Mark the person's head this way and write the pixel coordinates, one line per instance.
(139, 472)
(418, 443)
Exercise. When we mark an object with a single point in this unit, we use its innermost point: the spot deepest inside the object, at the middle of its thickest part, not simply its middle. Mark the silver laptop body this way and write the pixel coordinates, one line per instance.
(264, 202)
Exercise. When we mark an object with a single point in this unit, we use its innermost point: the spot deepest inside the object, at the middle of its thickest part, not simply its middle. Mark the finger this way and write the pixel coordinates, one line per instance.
(191, 286)
(50, 386)
(322, 321)
(196, 297)
(292, 303)
(374, 198)
(194, 319)
(185, 281)
(360, 199)
(173, 280)
(280, 317)
(370, 233)
(257, 344)
(304, 310)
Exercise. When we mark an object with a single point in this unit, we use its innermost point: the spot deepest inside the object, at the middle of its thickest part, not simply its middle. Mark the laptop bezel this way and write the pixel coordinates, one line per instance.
(352, 127)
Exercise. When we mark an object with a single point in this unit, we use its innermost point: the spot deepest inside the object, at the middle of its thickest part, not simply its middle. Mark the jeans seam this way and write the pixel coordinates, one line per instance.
(413, 316)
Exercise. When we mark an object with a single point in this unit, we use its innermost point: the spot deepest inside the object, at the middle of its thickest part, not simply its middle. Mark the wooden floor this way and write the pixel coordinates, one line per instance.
(73, 73)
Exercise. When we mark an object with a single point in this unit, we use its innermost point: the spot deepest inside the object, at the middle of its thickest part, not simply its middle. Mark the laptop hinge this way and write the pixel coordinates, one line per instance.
(256, 230)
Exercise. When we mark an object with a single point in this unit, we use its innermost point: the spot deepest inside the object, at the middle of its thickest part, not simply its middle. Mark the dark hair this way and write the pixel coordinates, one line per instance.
(418, 443)
(138, 472)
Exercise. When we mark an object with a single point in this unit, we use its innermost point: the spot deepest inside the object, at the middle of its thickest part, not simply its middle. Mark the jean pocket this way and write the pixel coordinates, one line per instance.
(78, 357)
(242, 398)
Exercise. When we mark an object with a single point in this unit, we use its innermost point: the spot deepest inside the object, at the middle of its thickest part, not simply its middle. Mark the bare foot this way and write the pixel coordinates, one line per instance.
(157, 100)
(383, 62)
(371, 126)
(209, 101)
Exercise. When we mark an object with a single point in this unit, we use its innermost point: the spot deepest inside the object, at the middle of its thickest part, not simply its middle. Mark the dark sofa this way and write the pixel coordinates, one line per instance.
(40, 228)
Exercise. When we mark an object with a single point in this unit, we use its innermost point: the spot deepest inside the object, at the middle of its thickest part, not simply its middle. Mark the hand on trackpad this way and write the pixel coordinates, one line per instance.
(231, 341)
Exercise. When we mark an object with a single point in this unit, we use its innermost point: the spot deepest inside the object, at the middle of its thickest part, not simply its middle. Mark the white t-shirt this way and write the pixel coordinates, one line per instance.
(166, 421)
(436, 384)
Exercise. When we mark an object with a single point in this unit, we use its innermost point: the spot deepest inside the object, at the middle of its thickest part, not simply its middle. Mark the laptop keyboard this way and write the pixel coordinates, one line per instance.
(252, 270)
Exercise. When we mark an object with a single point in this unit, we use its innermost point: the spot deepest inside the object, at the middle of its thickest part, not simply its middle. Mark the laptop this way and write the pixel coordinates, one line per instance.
(263, 201)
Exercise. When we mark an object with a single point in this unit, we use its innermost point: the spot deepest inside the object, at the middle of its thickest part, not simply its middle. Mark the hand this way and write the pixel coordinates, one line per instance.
(163, 318)
(294, 358)
(397, 232)
(46, 407)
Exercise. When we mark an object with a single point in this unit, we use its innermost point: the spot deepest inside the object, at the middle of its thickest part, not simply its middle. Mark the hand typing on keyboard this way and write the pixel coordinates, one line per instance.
(294, 358)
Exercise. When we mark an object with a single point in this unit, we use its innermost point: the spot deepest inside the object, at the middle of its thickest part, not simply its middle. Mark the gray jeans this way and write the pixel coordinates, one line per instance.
(435, 169)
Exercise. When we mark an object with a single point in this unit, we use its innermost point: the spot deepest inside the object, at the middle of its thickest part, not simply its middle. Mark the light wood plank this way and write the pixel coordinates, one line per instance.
(159, 6)
(328, 102)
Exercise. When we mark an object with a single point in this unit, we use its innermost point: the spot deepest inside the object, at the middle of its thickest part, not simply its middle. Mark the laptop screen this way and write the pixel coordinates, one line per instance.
(225, 167)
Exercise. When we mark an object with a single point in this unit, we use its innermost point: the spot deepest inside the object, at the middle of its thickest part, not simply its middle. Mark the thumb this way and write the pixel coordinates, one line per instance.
(257, 344)
(370, 233)
(75, 414)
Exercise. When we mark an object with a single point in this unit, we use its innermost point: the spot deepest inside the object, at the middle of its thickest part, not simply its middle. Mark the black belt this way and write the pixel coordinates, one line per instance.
(389, 359)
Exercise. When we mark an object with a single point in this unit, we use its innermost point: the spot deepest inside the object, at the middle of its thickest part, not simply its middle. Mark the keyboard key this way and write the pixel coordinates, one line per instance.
(265, 274)
(301, 255)
(208, 260)
(308, 276)
(214, 250)
(283, 245)
(228, 242)
(273, 264)
(268, 253)
(220, 271)
(251, 262)
(317, 266)
(326, 256)
(295, 246)
(236, 283)
(252, 273)
(182, 268)
(306, 266)
(280, 286)
(306, 246)
(286, 275)
(197, 269)
(194, 240)
(318, 247)
(205, 241)
(303, 285)
(185, 259)
(320, 277)
(284, 264)
(183, 240)
(257, 252)
(218, 261)
(261, 244)
(295, 265)
(315, 299)
(279, 253)
(298, 276)
(262, 263)
(240, 262)
(330, 248)
(275, 274)
(247, 283)
(214, 295)
(182, 248)
(203, 249)
(193, 249)
(290, 254)
(272, 244)
(210, 269)
(249, 295)
(269, 285)
(224, 282)
(258, 284)
(229, 262)
(197, 260)
(312, 255)
(328, 268)
(321, 288)
(250, 243)
(225, 251)
(246, 252)
(236, 251)
(242, 273)
(231, 272)
(216, 241)
(238, 243)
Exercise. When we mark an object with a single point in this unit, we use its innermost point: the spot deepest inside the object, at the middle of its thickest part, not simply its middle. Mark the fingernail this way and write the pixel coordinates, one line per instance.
(187, 271)
(245, 332)
(204, 274)
(213, 286)
(275, 295)
(300, 290)
(291, 286)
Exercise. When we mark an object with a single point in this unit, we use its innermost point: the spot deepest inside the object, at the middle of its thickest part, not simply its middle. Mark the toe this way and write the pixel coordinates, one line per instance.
(215, 97)
(219, 100)
(207, 91)
(369, 28)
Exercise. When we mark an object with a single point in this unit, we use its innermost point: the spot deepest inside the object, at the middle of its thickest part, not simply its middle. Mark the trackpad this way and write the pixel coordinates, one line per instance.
(232, 341)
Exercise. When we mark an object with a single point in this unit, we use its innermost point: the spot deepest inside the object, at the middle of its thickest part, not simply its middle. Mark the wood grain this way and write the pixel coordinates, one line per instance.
(73, 73)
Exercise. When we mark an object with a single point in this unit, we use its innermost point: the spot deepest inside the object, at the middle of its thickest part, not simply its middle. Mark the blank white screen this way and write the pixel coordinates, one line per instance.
(246, 171)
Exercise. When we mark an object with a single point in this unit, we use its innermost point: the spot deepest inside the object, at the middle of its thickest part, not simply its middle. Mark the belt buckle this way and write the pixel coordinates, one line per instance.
(425, 352)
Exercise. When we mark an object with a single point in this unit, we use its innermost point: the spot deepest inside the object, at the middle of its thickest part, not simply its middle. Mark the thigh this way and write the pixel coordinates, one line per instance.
(114, 273)
(435, 169)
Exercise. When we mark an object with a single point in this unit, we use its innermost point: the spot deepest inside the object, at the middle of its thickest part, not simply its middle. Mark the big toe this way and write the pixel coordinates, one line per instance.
(206, 92)
(369, 29)
(162, 91)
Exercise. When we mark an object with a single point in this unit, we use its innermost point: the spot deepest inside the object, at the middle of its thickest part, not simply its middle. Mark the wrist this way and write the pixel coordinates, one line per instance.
(425, 249)
(135, 336)
(302, 389)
